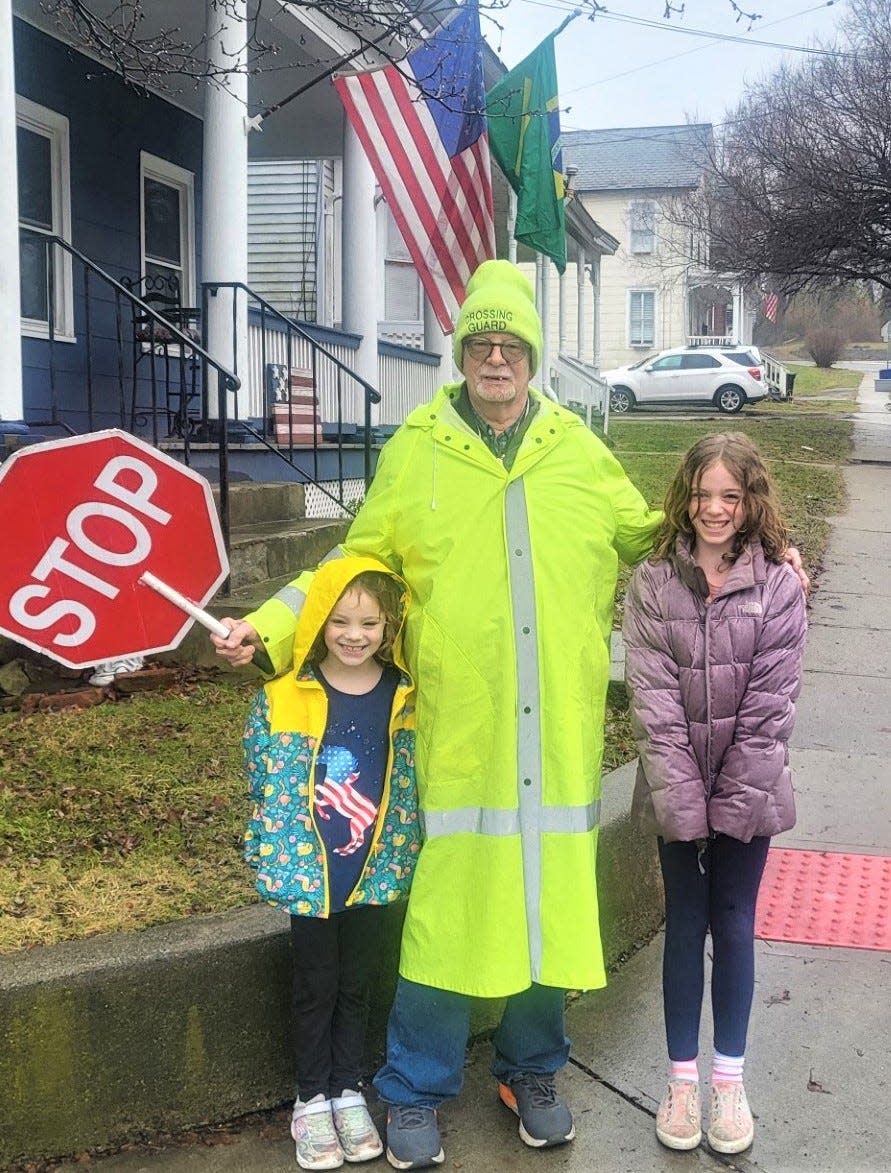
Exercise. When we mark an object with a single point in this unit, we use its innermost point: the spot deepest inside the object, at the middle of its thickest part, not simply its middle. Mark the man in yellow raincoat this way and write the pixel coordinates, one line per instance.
(507, 517)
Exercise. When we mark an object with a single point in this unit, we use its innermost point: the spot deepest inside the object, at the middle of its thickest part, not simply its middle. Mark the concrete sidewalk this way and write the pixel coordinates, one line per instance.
(818, 1072)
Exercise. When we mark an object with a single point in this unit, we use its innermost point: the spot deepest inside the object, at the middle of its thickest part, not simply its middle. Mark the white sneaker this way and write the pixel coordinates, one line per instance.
(312, 1127)
(732, 1128)
(358, 1137)
(679, 1119)
(107, 670)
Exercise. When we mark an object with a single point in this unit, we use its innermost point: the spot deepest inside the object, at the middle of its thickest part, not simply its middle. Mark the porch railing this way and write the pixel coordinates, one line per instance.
(710, 340)
(97, 364)
(779, 378)
(578, 383)
(276, 347)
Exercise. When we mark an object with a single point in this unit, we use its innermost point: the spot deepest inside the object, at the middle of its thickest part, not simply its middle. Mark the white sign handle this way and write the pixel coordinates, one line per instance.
(204, 618)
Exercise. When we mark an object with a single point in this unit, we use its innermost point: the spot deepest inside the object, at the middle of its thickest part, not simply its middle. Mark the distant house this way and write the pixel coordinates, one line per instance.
(656, 290)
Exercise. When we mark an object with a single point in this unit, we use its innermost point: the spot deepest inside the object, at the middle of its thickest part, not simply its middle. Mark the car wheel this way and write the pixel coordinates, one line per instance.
(729, 399)
(620, 399)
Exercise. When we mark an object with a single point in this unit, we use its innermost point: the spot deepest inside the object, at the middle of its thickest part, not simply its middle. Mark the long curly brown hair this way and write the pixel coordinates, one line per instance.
(388, 595)
(763, 519)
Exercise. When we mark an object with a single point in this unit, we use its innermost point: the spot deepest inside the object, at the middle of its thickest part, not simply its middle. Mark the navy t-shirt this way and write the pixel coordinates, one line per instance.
(350, 770)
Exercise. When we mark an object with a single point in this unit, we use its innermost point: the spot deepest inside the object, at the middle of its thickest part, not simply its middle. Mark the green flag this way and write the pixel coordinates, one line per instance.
(524, 137)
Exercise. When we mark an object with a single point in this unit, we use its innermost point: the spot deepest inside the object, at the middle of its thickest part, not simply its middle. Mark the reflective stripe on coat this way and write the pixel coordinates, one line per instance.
(513, 577)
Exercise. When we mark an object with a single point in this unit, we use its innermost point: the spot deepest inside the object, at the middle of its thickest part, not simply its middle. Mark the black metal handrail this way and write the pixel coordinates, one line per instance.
(227, 381)
(294, 329)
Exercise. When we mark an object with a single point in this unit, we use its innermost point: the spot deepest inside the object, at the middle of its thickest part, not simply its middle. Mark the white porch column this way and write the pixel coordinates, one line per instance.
(435, 342)
(562, 310)
(739, 326)
(595, 285)
(359, 283)
(11, 396)
(543, 266)
(511, 225)
(580, 306)
(224, 192)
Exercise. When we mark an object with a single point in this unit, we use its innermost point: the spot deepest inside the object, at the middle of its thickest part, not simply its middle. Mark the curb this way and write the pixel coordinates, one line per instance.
(119, 1037)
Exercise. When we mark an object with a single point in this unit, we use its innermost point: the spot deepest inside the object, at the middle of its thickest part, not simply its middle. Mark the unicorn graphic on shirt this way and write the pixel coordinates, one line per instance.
(338, 791)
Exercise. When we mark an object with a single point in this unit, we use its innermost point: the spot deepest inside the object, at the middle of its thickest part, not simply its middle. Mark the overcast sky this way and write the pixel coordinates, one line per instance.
(612, 72)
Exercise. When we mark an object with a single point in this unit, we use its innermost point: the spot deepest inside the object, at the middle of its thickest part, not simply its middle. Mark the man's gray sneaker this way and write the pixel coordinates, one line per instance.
(413, 1140)
(544, 1119)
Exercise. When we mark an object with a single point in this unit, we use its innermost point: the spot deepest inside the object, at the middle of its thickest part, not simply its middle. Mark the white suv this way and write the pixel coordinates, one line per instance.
(725, 377)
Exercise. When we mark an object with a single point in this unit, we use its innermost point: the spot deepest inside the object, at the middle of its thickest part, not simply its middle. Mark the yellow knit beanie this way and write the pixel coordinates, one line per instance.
(499, 300)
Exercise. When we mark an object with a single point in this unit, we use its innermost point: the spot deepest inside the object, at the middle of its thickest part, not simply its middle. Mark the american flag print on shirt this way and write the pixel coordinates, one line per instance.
(338, 791)
(422, 125)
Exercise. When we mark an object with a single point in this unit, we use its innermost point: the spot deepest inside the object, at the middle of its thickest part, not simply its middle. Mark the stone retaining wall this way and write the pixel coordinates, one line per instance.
(126, 1035)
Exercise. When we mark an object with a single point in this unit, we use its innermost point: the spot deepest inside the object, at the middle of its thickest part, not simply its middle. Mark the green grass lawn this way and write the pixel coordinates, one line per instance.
(130, 813)
(818, 390)
(819, 380)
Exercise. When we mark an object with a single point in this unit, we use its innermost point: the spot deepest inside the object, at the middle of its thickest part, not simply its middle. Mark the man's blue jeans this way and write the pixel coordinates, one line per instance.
(427, 1037)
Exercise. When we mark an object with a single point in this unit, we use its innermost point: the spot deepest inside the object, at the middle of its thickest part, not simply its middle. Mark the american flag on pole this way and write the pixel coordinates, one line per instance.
(770, 306)
(422, 125)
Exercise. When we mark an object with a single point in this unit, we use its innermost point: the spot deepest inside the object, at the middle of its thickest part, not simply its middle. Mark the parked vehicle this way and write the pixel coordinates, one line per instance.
(725, 377)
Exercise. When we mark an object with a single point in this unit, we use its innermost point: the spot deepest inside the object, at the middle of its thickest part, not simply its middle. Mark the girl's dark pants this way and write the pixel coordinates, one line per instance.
(719, 896)
(334, 962)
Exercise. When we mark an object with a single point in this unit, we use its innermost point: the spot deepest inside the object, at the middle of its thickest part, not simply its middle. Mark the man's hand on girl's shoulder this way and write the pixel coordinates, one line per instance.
(793, 556)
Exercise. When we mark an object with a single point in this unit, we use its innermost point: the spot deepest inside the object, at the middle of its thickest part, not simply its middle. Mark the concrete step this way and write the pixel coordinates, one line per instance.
(256, 502)
(273, 549)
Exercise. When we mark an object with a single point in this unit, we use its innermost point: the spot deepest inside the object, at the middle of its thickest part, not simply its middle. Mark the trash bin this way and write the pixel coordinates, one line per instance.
(883, 382)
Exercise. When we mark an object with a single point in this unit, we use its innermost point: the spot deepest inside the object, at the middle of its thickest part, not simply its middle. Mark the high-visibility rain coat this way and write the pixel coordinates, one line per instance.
(512, 577)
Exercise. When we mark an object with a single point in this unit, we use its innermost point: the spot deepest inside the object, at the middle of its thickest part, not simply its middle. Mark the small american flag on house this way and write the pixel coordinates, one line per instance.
(770, 306)
(422, 125)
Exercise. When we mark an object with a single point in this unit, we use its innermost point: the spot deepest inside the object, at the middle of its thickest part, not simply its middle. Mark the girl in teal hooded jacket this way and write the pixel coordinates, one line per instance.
(333, 833)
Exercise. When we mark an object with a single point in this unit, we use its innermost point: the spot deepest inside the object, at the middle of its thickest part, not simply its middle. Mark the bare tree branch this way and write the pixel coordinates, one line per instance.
(163, 59)
(799, 180)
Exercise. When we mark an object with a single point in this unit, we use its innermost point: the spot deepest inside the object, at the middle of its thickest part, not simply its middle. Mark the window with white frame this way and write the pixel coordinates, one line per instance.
(44, 193)
(642, 226)
(642, 317)
(167, 227)
(402, 285)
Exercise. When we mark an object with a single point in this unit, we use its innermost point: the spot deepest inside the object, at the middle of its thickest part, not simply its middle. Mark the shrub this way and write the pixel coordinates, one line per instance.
(825, 345)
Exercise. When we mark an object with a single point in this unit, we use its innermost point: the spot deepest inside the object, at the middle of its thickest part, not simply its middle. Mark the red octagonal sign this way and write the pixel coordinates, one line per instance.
(83, 518)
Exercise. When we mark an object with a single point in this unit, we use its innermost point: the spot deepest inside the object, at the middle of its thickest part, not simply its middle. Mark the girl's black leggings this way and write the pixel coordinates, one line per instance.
(334, 963)
(719, 896)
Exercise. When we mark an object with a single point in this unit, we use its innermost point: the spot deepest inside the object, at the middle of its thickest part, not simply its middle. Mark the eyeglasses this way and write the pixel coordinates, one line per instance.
(481, 349)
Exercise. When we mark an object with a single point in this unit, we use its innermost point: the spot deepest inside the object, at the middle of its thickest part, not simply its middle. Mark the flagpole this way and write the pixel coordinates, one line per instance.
(546, 325)
(511, 225)
(569, 20)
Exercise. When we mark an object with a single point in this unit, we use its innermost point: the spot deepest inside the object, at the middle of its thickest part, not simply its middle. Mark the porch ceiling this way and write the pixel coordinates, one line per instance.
(311, 126)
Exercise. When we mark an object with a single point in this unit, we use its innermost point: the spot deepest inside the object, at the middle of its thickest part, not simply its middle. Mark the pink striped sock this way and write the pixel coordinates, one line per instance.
(727, 1068)
(687, 1069)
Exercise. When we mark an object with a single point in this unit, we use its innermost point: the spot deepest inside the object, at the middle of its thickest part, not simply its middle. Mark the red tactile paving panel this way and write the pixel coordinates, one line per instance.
(825, 898)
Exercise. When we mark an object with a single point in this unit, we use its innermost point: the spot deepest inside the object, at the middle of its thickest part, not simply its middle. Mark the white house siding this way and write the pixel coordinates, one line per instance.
(328, 299)
(285, 214)
(570, 293)
(661, 271)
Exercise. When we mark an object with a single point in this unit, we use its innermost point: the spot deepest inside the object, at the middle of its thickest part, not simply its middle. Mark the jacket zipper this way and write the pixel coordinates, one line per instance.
(398, 708)
(708, 710)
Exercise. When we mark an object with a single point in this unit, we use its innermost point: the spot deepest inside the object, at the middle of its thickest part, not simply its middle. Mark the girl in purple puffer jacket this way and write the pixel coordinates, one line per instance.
(714, 632)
